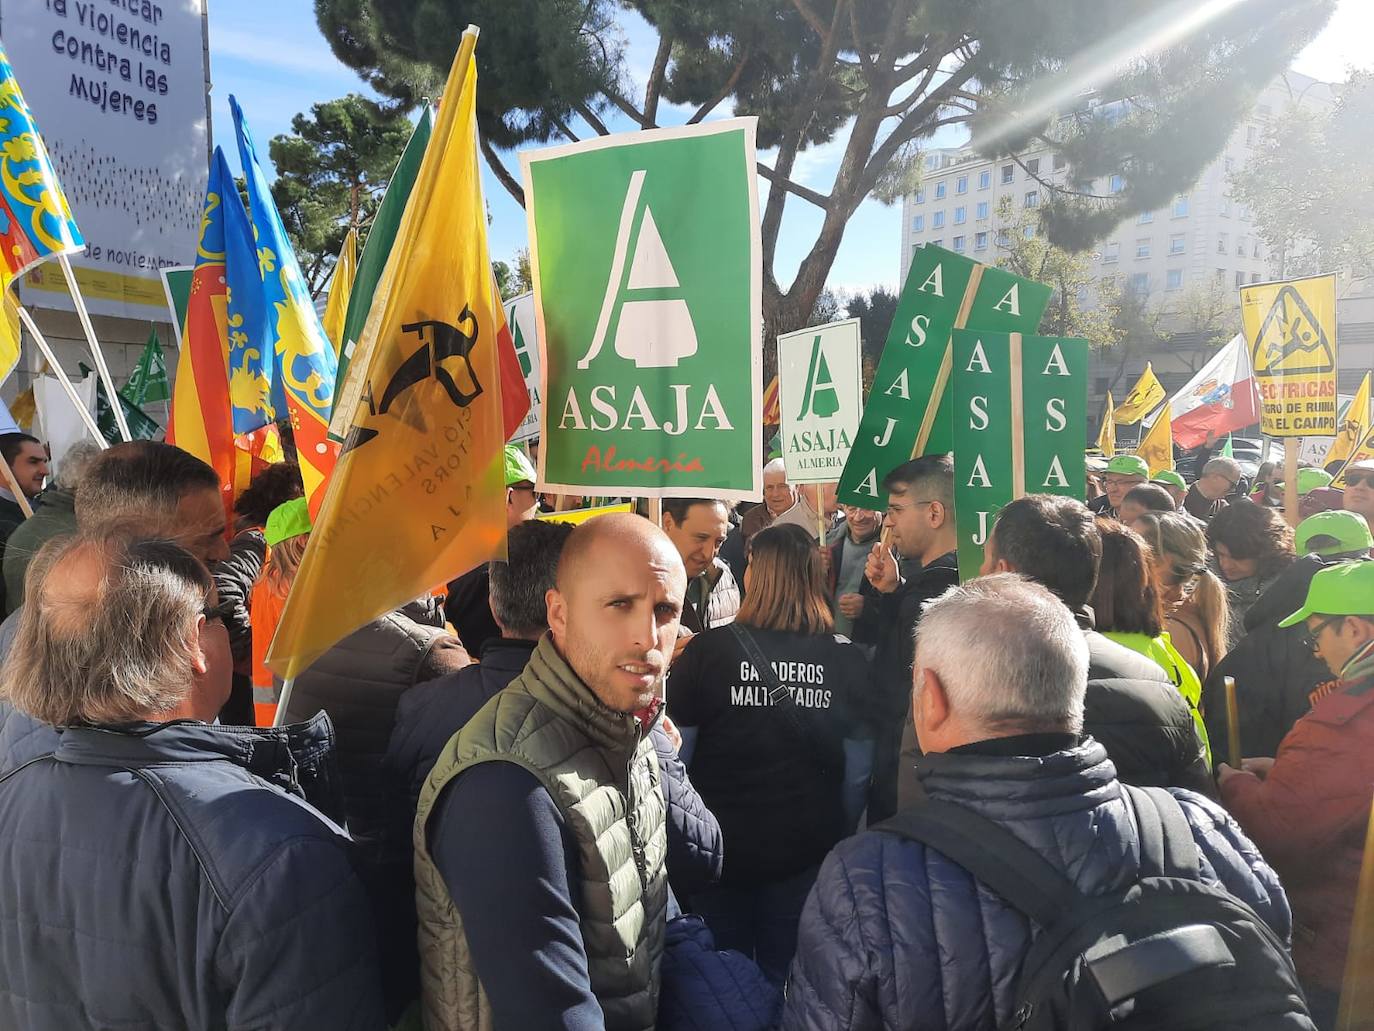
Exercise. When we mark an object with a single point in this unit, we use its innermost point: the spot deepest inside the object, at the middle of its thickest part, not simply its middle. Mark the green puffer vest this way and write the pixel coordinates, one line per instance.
(602, 772)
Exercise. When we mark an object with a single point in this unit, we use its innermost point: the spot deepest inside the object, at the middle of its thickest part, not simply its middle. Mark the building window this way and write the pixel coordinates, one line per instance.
(1241, 249)
(938, 243)
(1033, 167)
(1029, 232)
(1250, 135)
(1032, 199)
(1058, 162)
(918, 224)
(1173, 279)
(939, 191)
(1002, 239)
(1142, 248)
(1240, 279)
(980, 241)
(984, 179)
(1258, 253)
(1224, 208)
(960, 215)
(1254, 277)
(1221, 243)
(982, 209)
(961, 184)
(920, 196)
(1221, 276)
(1008, 173)
(1111, 252)
(1181, 206)
(1116, 184)
(937, 220)
(959, 243)
(1146, 217)
(1140, 283)
(1176, 245)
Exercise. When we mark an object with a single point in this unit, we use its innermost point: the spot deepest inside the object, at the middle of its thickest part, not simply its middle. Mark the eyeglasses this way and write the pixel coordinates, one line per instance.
(1356, 479)
(1310, 637)
(894, 509)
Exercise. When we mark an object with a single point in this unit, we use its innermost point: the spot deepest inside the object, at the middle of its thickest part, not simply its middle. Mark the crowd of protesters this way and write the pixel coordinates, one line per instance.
(765, 767)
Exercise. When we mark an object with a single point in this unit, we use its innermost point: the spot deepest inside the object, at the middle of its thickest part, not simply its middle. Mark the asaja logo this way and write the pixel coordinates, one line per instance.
(654, 326)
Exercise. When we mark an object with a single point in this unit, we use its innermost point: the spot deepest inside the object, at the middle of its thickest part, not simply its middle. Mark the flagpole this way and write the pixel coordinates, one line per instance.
(96, 352)
(81, 409)
(279, 718)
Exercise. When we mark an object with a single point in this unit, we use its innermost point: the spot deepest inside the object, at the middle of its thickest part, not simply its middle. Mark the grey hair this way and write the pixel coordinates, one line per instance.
(72, 469)
(1229, 466)
(777, 465)
(116, 650)
(1008, 653)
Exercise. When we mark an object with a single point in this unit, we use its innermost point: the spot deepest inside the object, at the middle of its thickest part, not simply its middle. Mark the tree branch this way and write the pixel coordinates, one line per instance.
(725, 90)
(864, 59)
(811, 17)
(656, 74)
(563, 128)
(501, 172)
(787, 185)
(589, 116)
(629, 109)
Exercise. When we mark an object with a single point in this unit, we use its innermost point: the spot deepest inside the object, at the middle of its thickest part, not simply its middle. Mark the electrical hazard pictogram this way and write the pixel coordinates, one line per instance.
(1291, 338)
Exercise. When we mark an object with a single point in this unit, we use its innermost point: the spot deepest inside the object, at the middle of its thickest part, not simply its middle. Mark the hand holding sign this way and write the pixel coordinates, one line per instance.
(881, 569)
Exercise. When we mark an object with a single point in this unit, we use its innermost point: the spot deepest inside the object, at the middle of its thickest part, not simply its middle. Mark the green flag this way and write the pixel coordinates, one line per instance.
(908, 409)
(1227, 450)
(1018, 404)
(373, 260)
(148, 381)
(141, 427)
(645, 251)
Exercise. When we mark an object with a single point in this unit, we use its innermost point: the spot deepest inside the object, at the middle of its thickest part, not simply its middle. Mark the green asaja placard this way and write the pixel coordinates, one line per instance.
(648, 292)
(908, 409)
(820, 387)
(1019, 404)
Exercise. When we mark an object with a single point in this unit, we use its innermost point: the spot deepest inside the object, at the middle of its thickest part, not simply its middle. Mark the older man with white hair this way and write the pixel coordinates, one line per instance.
(897, 935)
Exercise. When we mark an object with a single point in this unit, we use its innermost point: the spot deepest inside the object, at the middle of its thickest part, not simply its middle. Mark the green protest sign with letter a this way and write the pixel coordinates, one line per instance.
(820, 385)
(1019, 404)
(909, 408)
(648, 288)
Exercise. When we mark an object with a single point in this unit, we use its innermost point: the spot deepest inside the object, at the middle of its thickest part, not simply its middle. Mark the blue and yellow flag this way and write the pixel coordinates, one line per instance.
(303, 360)
(35, 219)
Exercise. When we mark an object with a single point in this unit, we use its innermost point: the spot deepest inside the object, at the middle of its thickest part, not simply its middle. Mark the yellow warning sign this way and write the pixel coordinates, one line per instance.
(1291, 330)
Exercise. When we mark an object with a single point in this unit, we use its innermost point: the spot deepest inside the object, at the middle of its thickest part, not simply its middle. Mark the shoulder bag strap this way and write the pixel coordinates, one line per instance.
(993, 855)
(1167, 848)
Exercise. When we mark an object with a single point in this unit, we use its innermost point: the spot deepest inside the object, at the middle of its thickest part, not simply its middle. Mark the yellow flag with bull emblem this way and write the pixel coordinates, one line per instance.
(1158, 446)
(1142, 400)
(418, 494)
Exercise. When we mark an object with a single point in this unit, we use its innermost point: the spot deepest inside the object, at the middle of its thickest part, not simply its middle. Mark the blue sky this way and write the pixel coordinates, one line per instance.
(271, 56)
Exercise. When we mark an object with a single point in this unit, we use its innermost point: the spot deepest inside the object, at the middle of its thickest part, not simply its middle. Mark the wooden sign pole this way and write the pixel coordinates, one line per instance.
(1291, 447)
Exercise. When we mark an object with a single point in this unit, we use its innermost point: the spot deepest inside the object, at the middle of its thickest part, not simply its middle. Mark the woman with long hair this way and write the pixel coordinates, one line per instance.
(1128, 609)
(1197, 613)
(768, 711)
(1252, 545)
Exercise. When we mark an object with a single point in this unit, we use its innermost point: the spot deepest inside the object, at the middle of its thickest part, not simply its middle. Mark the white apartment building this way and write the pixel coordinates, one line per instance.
(1202, 234)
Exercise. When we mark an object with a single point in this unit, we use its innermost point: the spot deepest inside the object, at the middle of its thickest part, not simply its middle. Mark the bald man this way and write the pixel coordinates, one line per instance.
(541, 885)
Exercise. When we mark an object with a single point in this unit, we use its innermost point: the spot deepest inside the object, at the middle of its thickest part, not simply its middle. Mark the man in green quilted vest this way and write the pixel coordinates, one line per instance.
(540, 877)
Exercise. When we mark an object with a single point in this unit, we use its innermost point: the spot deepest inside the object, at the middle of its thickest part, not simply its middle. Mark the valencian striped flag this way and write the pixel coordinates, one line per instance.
(201, 421)
(304, 365)
(35, 220)
(418, 495)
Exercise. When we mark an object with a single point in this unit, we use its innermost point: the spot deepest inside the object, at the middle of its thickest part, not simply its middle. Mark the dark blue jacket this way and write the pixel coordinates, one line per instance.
(705, 990)
(152, 877)
(894, 935)
(431, 713)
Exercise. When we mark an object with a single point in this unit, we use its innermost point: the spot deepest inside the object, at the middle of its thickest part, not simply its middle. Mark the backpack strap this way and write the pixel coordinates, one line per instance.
(994, 856)
(1167, 848)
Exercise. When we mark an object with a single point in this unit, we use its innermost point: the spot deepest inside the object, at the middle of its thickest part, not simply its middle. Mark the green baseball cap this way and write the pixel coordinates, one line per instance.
(290, 519)
(1170, 477)
(518, 468)
(1129, 465)
(1346, 589)
(1349, 530)
(1309, 480)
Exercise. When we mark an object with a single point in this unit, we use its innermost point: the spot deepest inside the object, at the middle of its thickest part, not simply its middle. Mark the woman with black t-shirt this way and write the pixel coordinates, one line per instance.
(782, 760)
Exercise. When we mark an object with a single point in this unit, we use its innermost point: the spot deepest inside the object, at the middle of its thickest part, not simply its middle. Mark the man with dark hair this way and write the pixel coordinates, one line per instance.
(1142, 498)
(165, 492)
(171, 870)
(53, 516)
(698, 527)
(920, 513)
(28, 462)
(1131, 706)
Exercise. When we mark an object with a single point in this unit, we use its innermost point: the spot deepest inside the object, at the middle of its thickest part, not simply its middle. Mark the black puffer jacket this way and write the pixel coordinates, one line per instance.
(1275, 670)
(894, 935)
